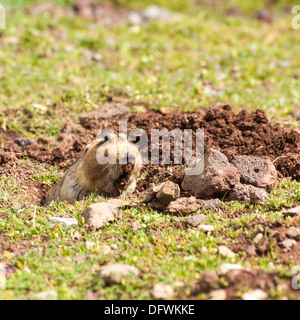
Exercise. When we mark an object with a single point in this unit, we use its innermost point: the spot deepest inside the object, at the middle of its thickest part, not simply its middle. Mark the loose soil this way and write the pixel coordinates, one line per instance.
(233, 134)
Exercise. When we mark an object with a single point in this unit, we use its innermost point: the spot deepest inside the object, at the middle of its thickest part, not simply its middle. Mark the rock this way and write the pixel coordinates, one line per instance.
(209, 280)
(226, 252)
(206, 228)
(90, 295)
(240, 192)
(115, 273)
(107, 111)
(296, 114)
(292, 212)
(135, 227)
(196, 220)
(203, 250)
(260, 173)
(263, 15)
(258, 195)
(47, 295)
(226, 267)
(293, 233)
(104, 250)
(91, 55)
(257, 294)
(162, 291)
(23, 142)
(99, 214)
(217, 295)
(211, 204)
(170, 191)
(154, 12)
(191, 204)
(151, 193)
(90, 245)
(258, 238)
(67, 222)
(218, 177)
(288, 244)
(251, 250)
(157, 205)
(135, 18)
(263, 246)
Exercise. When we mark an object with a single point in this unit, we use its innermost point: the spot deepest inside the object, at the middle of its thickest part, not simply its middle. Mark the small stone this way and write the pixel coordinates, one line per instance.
(135, 18)
(226, 267)
(206, 228)
(217, 295)
(185, 205)
(151, 193)
(293, 233)
(258, 195)
(90, 295)
(90, 245)
(203, 250)
(257, 294)
(23, 142)
(263, 246)
(162, 291)
(226, 252)
(47, 295)
(251, 250)
(154, 12)
(211, 204)
(155, 204)
(196, 220)
(67, 222)
(170, 191)
(115, 273)
(100, 214)
(288, 244)
(258, 238)
(135, 227)
(104, 250)
(114, 247)
(209, 280)
(240, 192)
(292, 212)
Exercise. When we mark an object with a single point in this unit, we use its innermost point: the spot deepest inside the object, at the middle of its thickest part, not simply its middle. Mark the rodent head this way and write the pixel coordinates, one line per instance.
(109, 153)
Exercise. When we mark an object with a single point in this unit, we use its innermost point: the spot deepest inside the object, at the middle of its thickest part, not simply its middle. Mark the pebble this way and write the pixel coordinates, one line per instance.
(257, 294)
(226, 252)
(47, 295)
(293, 233)
(116, 272)
(162, 291)
(68, 222)
(217, 295)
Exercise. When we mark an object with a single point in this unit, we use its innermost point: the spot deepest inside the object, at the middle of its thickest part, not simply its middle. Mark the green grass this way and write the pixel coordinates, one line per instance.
(193, 62)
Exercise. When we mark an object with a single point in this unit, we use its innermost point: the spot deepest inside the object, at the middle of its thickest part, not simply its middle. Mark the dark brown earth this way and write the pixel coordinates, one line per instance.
(233, 134)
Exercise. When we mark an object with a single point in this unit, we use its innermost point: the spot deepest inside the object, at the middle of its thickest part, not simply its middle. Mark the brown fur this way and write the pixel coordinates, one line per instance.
(87, 175)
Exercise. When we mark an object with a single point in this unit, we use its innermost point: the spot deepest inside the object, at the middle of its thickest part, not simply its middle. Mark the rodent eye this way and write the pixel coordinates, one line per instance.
(86, 150)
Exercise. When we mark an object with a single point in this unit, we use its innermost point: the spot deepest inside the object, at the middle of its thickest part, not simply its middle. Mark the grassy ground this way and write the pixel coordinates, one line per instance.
(198, 59)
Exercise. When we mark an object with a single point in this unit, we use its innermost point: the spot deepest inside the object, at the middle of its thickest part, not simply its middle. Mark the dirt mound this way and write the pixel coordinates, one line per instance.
(233, 134)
